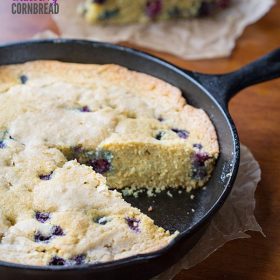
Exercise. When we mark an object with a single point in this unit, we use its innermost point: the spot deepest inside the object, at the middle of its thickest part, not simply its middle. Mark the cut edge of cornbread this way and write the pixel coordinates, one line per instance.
(177, 141)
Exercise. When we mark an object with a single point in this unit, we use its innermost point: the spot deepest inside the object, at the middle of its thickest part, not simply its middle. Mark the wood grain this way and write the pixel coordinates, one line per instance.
(257, 116)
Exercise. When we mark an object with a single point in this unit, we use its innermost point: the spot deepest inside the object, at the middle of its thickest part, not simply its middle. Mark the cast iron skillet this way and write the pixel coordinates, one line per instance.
(209, 92)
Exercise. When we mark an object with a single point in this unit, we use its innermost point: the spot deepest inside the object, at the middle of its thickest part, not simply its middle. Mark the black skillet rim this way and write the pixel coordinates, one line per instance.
(182, 235)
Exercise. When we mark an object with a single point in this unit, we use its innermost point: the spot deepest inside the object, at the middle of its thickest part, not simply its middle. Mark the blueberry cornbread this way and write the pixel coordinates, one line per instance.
(66, 216)
(127, 11)
(134, 129)
(64, 128)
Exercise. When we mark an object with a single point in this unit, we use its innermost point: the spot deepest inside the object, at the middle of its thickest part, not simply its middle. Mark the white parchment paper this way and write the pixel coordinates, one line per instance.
(189, 39)
(234, 219)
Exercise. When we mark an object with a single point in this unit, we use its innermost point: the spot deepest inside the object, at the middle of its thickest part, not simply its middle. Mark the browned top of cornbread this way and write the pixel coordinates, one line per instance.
(116, 97)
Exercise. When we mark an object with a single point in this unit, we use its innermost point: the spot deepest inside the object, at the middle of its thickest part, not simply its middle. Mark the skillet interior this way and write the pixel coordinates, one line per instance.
(171, 213)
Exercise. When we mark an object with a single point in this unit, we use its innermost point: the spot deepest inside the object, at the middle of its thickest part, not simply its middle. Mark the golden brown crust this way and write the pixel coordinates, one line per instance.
(158, 93)
(87, 73)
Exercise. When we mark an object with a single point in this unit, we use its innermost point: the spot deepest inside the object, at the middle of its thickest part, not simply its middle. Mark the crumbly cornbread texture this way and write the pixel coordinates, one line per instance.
(62, 125)
(69, 218)
(127, 11)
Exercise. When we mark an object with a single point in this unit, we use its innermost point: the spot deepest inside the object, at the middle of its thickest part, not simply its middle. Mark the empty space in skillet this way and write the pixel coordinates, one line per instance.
(173, 213)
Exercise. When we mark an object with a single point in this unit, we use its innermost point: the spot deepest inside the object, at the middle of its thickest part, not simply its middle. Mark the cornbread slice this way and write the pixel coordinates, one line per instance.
(127, 11)
(64, 128)
(69, 216)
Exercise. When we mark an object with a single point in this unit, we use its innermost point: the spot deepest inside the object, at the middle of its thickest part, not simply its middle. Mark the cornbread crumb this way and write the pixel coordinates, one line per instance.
(169, 194)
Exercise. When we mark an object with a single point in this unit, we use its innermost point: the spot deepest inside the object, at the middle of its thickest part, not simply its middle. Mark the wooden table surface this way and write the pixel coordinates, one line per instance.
(256, 112)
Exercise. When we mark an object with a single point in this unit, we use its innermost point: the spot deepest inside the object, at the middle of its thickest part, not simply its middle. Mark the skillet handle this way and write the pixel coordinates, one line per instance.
(224, 86)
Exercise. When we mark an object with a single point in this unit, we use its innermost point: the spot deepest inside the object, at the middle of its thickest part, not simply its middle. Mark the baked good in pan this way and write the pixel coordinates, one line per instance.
(64, 128)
